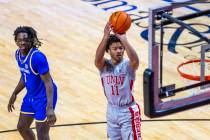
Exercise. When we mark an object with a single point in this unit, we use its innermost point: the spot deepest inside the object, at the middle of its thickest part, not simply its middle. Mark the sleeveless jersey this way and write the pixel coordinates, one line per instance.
(31, 67)
(117, 81)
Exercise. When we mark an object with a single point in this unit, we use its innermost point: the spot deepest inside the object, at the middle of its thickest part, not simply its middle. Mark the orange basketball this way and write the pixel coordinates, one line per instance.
(120, 21)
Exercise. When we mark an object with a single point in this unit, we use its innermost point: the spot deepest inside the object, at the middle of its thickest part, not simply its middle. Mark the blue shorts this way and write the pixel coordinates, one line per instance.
(36, 107)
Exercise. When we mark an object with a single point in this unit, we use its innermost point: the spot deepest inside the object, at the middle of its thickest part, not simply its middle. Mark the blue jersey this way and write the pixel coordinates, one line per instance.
(31, 67)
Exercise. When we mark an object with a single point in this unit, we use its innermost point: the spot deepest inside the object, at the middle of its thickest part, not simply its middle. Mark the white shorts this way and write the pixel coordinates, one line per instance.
(124, 123)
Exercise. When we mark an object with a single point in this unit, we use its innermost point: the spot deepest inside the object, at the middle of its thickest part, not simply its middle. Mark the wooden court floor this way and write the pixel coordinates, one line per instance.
(71, 31)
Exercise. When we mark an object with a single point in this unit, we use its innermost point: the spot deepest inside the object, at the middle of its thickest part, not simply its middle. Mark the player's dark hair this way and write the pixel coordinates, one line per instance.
(112, 39)
(32, 35)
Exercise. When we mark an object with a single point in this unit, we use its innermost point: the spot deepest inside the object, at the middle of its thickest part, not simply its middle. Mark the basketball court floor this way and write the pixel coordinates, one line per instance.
(71, 31)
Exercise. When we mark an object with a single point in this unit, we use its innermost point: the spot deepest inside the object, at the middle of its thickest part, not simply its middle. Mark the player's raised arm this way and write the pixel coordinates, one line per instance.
(99, 56)
(134, 60)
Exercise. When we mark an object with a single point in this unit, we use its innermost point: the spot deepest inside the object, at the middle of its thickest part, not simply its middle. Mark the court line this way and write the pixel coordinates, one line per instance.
(92, 123)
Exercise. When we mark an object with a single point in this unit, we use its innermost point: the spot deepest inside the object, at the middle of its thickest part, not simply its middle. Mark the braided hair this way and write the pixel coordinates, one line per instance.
(32, 35)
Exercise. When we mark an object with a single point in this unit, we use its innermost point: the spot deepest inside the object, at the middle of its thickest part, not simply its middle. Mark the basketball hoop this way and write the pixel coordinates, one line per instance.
(193, 77)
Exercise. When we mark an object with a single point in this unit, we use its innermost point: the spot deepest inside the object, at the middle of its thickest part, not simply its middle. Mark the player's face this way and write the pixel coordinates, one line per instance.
(116, 51)
(23, 42)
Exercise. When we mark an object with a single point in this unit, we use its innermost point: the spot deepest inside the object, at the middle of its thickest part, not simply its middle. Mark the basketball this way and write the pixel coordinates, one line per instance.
(120, 22)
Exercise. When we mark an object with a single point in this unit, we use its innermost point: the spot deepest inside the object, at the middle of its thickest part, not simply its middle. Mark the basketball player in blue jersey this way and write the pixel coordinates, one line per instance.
(117, 76)
(41, 96)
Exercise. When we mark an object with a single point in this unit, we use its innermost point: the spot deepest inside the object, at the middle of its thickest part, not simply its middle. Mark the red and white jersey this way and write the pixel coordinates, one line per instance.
(117, 81)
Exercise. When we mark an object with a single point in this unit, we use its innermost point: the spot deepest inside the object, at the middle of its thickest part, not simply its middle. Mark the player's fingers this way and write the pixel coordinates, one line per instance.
(13, 107)
(118, 36)
(106, 27)
(54, 119)
(108, 24)
(110, 30)
(9, 108)
(51, 120)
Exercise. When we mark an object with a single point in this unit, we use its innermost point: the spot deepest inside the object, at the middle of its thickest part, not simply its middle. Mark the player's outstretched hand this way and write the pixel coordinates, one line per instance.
(122, 37)
(107, 29)
(51, 118)
(10, 105)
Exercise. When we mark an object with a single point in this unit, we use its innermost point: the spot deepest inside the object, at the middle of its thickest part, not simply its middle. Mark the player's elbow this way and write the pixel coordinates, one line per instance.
(135, 64)
(96, 62)
(99, 62)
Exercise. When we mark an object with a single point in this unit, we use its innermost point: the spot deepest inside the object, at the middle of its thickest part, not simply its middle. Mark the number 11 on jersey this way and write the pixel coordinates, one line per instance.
(115, 90)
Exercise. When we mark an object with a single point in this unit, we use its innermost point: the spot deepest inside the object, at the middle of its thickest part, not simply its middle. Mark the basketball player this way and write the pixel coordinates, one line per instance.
(41, 96)
(117, 76)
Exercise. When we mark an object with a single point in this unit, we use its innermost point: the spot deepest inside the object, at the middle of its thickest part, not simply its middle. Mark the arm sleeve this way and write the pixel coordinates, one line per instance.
(39, 63)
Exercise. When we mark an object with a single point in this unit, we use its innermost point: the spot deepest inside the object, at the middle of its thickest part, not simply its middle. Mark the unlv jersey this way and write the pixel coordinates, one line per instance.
(117, 81)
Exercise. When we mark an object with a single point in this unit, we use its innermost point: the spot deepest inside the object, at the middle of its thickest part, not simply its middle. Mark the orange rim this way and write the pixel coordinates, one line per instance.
(189, 76)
